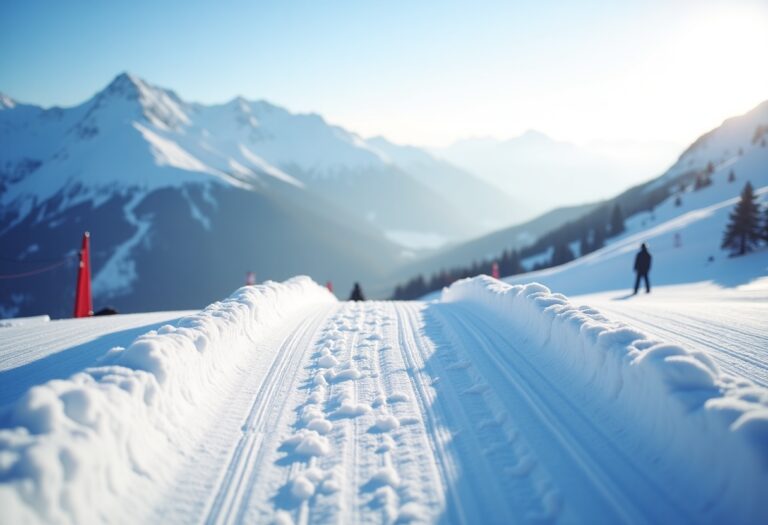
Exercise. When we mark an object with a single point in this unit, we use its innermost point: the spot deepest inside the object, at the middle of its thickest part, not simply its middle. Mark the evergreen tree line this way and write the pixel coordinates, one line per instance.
(509, 264)
(588, 232)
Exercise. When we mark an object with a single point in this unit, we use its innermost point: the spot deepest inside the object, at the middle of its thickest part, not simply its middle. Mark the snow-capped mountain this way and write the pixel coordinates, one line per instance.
(170, 189)
(238, 143)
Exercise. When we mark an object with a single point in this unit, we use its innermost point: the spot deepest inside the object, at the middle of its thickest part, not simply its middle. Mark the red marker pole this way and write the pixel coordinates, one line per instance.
(495, 270)
(329, 285)
(83, 300)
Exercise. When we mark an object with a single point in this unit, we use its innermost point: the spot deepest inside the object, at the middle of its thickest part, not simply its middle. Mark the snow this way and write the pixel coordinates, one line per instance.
(70, 442)
(674, 402)
(132, 135)
(6, 102)
(727, 323)
(497, 403)
(119, 272)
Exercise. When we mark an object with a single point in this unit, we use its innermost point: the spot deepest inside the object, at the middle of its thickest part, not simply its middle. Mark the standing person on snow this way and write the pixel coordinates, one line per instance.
(642, 267)
(357, 293)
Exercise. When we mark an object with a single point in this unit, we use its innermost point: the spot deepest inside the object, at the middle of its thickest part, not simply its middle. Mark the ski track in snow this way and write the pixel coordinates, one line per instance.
(733, 333)
(429, 414)
(400, 412)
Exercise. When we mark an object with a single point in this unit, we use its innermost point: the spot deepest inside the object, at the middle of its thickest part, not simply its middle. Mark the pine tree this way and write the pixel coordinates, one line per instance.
(731, 176)
(561, 254)
(584, 247)
(743, 230)
(617, 221)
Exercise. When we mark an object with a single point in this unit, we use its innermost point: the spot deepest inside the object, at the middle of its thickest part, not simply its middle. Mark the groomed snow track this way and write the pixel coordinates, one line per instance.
(451, 411)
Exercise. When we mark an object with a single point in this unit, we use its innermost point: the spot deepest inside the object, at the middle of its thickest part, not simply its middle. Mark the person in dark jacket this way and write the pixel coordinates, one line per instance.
(357, 293)
(642, 267)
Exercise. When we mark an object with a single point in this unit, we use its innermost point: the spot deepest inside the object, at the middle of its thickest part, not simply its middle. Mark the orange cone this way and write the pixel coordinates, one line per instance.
(83, 300)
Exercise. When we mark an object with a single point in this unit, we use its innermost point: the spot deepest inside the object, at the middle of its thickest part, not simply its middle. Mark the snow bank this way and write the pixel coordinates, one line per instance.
(70, 448)
(691, 425)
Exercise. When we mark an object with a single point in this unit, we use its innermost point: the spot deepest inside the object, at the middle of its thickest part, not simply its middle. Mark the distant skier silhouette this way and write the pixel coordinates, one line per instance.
(357, 293)
(642, 267)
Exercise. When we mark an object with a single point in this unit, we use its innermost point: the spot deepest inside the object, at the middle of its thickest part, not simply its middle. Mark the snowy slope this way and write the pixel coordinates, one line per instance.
(697, 224)
(497, 404)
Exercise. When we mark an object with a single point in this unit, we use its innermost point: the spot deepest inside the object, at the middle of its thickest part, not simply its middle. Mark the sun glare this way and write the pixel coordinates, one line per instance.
(722, 54)
(710, 67)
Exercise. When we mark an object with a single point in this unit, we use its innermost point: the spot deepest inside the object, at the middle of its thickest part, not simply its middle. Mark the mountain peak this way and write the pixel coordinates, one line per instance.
(125, 85)
(6, 102)
(160, 106)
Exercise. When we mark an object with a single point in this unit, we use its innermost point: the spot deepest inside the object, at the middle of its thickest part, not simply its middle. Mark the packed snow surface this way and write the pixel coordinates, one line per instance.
(494, 404)
(731, 324)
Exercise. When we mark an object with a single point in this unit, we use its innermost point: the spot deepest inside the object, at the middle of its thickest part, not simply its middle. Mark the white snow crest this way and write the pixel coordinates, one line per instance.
(707, 429)
(70, 447)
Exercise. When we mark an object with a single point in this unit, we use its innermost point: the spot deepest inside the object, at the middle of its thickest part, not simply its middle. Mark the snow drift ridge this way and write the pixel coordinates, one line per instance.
(706, 430)
(70, 447)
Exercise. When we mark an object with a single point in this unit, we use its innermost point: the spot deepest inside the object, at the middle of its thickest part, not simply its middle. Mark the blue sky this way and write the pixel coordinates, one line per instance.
(421, 72)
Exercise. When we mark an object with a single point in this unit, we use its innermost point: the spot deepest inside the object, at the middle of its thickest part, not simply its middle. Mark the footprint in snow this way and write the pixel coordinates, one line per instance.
(385, 476)
(327, 361)
(350, 409)
(347, 374)
(387, 444)
(307, 443)
(385, 424)
(398, 398)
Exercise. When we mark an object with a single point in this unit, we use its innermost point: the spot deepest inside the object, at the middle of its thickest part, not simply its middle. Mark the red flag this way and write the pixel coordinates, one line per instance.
(83, 301)
(329, 285)
(495, 270)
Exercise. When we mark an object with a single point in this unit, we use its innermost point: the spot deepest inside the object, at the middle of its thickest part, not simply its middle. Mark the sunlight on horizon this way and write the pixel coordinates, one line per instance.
(426, 74)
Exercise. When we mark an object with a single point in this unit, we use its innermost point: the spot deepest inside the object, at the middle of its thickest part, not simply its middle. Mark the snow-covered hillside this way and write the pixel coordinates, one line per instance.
(685, 238)
(495, 404)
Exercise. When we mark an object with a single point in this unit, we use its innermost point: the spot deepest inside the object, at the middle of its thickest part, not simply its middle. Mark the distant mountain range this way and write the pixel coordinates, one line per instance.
(182, 199)
(551, 173)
